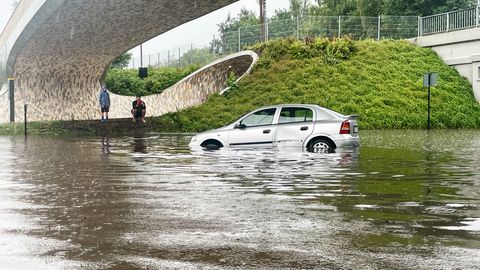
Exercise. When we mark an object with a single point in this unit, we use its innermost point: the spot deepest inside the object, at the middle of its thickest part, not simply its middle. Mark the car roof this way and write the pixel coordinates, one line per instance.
(292, 105)
(311, 106)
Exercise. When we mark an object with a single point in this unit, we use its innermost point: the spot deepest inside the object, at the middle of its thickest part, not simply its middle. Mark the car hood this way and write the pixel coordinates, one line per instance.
(225, 128)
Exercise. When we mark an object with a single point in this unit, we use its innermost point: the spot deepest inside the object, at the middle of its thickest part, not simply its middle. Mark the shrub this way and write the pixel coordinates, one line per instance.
(380, 81)
(126, 81)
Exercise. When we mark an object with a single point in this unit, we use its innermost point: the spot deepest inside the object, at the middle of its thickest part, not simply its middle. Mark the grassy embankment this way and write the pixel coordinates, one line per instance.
(380, 81)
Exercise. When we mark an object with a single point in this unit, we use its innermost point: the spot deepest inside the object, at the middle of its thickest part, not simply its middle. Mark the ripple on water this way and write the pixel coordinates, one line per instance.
(401, 200)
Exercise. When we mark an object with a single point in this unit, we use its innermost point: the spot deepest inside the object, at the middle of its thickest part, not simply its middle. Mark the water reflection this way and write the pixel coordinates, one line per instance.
(149, 201)
(139, 145)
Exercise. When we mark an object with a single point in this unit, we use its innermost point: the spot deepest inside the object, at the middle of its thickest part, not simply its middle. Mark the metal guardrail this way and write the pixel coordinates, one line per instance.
(450, 21)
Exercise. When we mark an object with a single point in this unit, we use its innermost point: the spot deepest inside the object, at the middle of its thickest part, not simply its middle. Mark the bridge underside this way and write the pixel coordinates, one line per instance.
(58, 69)
(459, 49)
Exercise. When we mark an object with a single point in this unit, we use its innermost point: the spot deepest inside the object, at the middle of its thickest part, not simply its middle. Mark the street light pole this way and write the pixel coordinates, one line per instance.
(263, 19)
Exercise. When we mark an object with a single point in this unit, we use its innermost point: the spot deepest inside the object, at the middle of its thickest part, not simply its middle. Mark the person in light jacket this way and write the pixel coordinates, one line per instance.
(104, 101)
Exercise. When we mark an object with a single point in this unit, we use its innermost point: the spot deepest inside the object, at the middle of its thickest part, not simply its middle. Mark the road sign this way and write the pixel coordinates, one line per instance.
(430, 79)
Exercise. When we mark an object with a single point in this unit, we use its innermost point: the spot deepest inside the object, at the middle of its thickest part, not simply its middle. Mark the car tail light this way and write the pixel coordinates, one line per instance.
(345, 129)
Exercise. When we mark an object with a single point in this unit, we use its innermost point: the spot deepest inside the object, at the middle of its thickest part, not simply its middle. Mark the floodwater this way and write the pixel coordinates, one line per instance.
(404, 200)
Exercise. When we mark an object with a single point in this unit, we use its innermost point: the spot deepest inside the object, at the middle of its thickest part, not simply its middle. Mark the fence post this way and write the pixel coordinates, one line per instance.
(239, 44)
(266, 30)
(419, 25)
(448, 21)
(477, 21)
(339, 26)
(191, 52)
(379, 27)
(298, 33)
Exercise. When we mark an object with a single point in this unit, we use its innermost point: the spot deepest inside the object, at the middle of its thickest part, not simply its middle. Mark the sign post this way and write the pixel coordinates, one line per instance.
(11, 98)
(429, 79)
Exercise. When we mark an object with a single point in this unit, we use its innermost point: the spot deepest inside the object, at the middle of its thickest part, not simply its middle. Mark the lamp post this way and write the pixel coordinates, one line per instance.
(263, 19)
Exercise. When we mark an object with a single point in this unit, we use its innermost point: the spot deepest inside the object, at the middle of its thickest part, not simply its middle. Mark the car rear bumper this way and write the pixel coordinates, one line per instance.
(347, 141)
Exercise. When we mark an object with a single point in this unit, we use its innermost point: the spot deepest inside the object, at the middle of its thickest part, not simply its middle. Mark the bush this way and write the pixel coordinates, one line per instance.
(126, 81)
(380, 81)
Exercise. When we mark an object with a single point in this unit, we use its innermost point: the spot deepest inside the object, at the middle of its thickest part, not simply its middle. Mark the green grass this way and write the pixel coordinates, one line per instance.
(126, 81)
(41, 128)
(380, 81)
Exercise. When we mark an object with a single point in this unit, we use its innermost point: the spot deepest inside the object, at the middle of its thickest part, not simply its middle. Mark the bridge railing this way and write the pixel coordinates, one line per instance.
(451, 21)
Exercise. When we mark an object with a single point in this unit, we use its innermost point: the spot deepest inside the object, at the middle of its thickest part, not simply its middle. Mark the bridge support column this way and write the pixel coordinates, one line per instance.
(475, 80)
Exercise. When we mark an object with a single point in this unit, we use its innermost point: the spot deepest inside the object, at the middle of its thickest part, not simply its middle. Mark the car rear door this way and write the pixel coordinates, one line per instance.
(295, 124)
(256, 128)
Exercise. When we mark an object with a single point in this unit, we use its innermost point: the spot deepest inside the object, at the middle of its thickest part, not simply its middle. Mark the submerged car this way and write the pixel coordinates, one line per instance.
(315, 128)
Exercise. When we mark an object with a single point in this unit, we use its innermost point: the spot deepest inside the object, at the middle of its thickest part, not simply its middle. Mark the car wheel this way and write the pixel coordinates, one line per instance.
(211, 145)
(321, 146)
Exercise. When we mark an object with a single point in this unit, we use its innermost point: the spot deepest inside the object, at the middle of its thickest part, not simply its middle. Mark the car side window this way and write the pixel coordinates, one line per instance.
(292, 115)
(260, 118)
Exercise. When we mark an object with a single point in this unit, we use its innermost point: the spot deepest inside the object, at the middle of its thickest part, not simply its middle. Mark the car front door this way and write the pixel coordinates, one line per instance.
(256, 128)
(295, 124)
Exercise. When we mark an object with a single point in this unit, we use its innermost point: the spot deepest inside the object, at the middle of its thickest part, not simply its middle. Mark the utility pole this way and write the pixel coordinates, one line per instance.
(263, 19)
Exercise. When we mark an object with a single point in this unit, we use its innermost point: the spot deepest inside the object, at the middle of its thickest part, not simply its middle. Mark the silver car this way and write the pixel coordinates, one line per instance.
(315, 128)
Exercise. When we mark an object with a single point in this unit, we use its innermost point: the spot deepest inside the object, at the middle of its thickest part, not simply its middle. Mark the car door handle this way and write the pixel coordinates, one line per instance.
(266, 131)
(304, 128)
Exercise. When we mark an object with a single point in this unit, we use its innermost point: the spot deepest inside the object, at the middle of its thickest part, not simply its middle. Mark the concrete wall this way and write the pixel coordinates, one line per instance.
(60, 56)
(49, 101)
(460, 49)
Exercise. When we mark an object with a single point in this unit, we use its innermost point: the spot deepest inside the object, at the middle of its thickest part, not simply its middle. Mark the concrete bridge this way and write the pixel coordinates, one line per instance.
(455, 37)
(57, 52)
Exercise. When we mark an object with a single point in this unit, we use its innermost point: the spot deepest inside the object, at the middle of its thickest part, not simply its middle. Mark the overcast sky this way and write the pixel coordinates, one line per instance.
(199, 32)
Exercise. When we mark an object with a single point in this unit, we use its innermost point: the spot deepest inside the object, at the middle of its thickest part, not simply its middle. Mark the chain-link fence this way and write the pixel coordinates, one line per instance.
(381, 27)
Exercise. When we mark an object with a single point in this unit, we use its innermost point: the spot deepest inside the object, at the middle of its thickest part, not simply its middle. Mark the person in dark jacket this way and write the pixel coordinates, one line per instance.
(138, 109)
(104, 101)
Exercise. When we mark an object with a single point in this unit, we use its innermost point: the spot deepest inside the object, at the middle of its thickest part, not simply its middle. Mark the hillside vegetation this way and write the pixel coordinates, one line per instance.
(126, 81)
(380, 81)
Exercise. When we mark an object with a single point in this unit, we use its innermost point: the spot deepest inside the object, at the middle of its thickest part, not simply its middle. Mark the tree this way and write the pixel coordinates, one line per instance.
(369, 7)
(423, 7)
(337, 7)
(197, 57)
(244, 24)
(121, 61)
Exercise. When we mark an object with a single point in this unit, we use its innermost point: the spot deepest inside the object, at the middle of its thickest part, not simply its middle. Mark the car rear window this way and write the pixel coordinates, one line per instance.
(295, 114)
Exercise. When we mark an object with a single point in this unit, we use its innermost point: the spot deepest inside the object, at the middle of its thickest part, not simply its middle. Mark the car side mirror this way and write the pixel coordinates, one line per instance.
(241, 126)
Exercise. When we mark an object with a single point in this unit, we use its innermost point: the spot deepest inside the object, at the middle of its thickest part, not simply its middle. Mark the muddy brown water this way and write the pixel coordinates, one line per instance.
(404, 200)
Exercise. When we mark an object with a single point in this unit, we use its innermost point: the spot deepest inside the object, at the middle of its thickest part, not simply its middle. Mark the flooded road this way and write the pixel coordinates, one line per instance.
(404, 200)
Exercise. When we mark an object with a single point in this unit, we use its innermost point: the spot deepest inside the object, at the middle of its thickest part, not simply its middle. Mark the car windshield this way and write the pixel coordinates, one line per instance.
(260, 118)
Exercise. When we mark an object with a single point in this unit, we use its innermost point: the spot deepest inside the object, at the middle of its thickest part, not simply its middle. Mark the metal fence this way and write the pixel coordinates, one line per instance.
(381, 27)
(388, 27)
(451, 21)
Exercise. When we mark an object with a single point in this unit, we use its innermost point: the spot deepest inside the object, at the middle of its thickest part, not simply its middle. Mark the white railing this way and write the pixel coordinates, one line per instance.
(451, 21)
